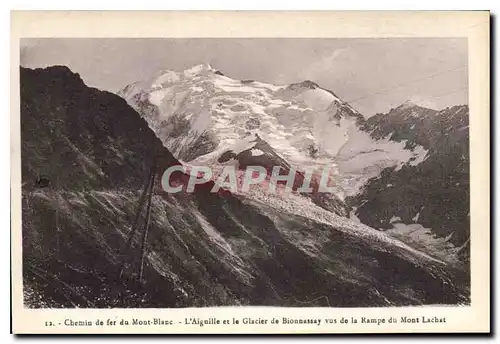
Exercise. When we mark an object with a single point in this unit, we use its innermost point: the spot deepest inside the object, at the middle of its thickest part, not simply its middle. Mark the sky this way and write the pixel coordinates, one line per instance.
(372, 74)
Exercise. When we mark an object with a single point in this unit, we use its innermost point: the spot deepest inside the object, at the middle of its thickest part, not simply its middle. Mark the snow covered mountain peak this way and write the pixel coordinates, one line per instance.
(204, 102)
(199, 69)
(201, 114)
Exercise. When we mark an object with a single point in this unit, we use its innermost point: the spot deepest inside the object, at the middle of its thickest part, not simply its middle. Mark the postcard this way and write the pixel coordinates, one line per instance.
(250, 172)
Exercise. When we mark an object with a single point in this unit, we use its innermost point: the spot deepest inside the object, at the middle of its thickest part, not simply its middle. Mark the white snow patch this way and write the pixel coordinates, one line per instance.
(168, 77)
(317, 99)
(416, 217)
(332, 137)
(244, 144)
(197, 69)
(271, 87)
(197, 89)
(256, 152)
(229, 85)
(394, 219)
(156, 97)
(353, 216)
(362, 158)
(424, 240)
(201, 122)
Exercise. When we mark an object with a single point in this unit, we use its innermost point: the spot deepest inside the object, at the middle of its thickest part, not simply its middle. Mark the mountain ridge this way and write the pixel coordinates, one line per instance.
(203, 249)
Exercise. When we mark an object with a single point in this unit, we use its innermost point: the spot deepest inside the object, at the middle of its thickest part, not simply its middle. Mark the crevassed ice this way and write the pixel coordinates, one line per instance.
(302, 127)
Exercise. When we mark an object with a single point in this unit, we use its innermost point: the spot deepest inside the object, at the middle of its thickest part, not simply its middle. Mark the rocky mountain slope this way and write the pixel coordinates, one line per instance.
(86, 156)
(432, 196)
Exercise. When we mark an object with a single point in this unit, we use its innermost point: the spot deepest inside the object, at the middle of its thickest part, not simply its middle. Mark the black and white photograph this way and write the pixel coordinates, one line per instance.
(102, 119)
(179, 173)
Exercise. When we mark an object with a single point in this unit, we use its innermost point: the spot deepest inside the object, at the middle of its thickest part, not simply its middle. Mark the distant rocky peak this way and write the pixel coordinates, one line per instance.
(306, 84)
(408, 104)
(410, 110)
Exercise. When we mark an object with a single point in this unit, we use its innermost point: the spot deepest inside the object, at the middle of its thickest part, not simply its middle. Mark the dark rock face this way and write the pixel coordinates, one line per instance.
(308, 84)
(71, 140)
(436, 189)
(205, 144)
(86, 156)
